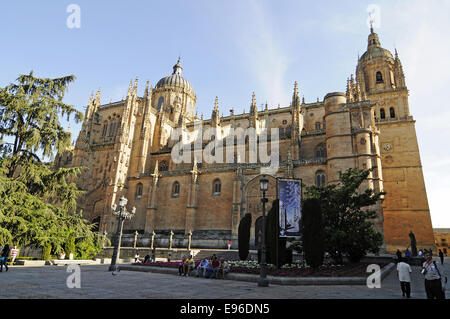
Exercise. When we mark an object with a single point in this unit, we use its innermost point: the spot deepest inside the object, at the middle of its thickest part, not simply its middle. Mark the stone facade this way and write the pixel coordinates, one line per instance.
(442, 238)
(126, 147)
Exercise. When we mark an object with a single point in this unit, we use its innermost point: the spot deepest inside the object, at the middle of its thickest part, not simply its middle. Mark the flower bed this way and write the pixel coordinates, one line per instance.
(292, 270)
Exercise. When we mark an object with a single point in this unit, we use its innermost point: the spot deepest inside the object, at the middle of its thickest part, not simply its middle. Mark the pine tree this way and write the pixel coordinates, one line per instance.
(38, 204)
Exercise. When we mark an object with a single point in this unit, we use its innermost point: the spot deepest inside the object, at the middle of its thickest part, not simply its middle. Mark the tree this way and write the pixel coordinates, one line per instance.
(38, 204)
(347, 215)
(244, 236)
(312, 232)
(29, 115)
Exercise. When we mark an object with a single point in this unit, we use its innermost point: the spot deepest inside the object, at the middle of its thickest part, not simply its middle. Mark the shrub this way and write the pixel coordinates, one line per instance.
(244, 236)
(46, 251)
(312, 232)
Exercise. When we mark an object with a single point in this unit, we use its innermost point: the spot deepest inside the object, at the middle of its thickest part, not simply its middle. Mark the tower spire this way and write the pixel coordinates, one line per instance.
(177, 68)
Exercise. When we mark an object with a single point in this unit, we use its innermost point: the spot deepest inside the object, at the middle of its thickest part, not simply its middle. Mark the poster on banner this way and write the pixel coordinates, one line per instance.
(290, 207)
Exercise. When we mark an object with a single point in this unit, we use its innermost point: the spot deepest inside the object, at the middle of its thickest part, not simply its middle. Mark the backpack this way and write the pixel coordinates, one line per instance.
(434, 262)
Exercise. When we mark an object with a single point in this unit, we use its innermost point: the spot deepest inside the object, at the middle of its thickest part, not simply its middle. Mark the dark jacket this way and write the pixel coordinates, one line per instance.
(5, 251)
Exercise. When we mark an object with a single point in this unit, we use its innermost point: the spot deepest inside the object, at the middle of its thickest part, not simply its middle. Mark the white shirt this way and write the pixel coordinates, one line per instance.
(404, 271)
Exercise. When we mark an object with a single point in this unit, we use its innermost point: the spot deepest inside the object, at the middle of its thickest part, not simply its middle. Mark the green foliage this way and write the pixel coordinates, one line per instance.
(244, 236)
(37, 203)
(70, 244)
(312, 232)
(46, 252)
(346, 215)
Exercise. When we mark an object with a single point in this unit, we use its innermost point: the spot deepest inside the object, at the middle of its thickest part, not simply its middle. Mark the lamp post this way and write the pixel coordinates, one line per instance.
(122, 213)
(263, 281)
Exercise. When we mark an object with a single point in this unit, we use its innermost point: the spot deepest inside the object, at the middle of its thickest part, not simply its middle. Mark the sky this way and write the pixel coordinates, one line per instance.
(231, 48)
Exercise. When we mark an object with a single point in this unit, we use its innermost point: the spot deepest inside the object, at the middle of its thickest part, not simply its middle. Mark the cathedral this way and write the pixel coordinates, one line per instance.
(126, 147)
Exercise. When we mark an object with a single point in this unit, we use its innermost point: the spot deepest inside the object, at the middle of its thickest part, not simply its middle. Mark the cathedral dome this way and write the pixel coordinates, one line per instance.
(375, 52)
(175, 80)
(374, 49)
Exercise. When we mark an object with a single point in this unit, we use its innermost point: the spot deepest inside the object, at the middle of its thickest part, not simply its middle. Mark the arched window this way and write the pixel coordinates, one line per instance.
(139, 191)
(281, 132)
(176, 189)
(112, 129)
(288, 131)
(163, 166)
(382, 114)
(105, 129)
(320, 178)
(160, 103)
(392, 113)
(317, 125)
(217, 187)
(379, 77)
(321, 151)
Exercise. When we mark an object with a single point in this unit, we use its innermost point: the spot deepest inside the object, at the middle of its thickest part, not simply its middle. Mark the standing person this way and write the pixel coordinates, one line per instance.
(399, 255)
(181, 266)
(229, 244)
(408, 255)
(403, 272)
(4, 258)
(14, 253)
(441, 256)
(153, 255)
(435, 279)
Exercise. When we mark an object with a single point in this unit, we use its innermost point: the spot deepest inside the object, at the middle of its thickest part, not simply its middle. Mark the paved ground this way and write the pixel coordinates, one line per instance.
(97, 282)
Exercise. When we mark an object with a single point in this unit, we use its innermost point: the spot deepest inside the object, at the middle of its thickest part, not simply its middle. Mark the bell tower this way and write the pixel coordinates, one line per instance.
(381, 80)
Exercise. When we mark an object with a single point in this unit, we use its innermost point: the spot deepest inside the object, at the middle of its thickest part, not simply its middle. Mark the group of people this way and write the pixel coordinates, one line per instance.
(62, 255)
(213, 267)
(5, 254)
(434, 276)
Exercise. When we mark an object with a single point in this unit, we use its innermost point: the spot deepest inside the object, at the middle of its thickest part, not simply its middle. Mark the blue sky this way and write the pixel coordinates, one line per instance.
(231, 48)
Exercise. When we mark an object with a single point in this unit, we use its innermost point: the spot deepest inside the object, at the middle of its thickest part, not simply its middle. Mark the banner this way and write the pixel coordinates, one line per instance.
(290, 207)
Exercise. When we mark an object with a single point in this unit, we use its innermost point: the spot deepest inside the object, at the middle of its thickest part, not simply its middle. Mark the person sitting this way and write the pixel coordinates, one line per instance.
(189, 265)
(136, 257)
(62, 255)
(212, 268)
(147, 259)
(202, 267)
(223, 268)
(181, 266)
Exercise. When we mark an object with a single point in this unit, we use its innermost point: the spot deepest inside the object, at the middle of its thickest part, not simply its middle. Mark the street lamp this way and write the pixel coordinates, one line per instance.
(122, 213)
(263, 281)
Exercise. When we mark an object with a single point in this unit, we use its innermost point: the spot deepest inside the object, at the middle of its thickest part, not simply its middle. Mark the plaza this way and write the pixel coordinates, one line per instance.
(97, 282)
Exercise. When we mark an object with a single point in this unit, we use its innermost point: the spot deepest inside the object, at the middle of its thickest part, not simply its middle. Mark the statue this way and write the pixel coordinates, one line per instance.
(135, 238)
(153, 237)
(413, 244)
(170, 240)
(189, 241)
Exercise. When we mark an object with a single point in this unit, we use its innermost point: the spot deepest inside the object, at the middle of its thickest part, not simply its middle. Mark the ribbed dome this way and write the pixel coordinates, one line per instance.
(175, 79)
(375, 52)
